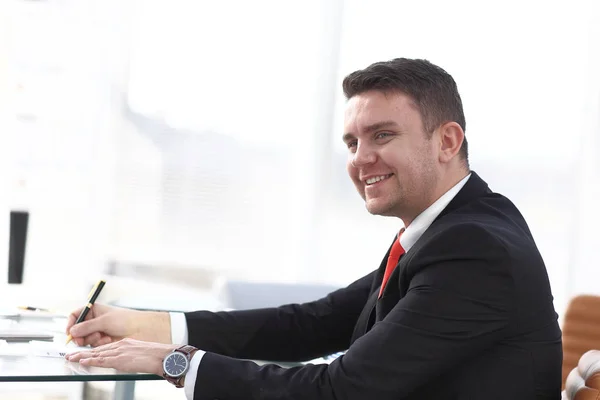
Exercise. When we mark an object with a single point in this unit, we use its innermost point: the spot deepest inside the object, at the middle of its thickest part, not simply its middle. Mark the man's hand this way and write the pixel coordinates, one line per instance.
(105, 324)
(126, 355)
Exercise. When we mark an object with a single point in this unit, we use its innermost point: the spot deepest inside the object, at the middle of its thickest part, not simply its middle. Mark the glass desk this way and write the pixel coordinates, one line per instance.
(19, 363)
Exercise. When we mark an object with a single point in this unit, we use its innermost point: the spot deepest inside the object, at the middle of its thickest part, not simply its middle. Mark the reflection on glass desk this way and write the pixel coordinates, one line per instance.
(17, 364)
(44, 369)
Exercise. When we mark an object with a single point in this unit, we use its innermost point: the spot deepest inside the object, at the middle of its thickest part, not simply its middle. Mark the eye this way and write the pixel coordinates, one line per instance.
(352, 145)
(382, 135)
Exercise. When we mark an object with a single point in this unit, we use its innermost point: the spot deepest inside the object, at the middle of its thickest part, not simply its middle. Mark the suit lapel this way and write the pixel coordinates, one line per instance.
(391, 293)
(475, 187)
(376, 309)
(366, 318)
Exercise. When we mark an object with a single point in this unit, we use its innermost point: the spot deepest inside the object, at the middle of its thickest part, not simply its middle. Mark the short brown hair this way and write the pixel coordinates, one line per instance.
(432, 89)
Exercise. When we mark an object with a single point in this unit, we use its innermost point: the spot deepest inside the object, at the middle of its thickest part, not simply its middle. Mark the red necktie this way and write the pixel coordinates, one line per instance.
(395, 254)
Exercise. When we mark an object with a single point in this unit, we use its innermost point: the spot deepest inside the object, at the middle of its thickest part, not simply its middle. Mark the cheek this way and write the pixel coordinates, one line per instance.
(353, 173)
(351, 170)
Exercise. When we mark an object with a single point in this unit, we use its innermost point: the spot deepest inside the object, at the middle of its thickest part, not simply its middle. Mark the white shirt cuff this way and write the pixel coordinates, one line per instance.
(190, 375)
(179, 332)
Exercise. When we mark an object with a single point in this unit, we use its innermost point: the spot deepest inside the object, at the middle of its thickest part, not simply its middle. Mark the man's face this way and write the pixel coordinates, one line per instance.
(392, 161)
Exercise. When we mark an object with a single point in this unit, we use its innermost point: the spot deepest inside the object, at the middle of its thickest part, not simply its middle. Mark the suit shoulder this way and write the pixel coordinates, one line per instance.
(492, 214)
(464, 235)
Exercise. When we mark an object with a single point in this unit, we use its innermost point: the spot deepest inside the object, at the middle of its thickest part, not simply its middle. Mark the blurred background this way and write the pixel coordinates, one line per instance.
(175, 145)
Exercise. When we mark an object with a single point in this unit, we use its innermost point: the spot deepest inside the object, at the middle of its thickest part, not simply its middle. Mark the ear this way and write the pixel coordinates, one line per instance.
(451, 137)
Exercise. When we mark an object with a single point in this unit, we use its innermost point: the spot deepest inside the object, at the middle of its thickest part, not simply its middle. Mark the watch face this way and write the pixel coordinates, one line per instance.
(175, 364)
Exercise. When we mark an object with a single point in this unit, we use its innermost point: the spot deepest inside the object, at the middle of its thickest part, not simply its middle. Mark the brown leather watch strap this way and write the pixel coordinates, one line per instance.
(189, 352)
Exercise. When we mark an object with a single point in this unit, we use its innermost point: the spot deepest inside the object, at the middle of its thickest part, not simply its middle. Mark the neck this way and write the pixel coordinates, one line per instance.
(446, 182)
(449, 180)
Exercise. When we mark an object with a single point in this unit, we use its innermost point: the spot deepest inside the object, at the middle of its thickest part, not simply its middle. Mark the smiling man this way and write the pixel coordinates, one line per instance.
(393, 159)
(460, 307)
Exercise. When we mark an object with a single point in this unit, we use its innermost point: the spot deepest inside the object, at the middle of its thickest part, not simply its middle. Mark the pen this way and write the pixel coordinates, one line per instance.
(91, 299)
(29, 308)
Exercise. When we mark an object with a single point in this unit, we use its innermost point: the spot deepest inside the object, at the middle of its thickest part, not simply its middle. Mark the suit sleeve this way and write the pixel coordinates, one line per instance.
(293, 332)
(457, 305)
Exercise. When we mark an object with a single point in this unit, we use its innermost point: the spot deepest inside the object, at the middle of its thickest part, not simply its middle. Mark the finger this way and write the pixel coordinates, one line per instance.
(99, 361)
(111, 346)
(86, 328)
(116, 361)
(72, 318)
(91, 339)
(92, 355)
(76, 356)
(103, 341)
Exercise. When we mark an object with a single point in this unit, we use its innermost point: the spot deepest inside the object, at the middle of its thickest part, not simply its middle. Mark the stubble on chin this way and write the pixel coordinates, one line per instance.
(377, 209)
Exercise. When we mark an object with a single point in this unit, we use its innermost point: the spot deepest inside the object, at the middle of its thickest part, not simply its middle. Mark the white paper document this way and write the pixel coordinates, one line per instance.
(45, 349)
(38, 349)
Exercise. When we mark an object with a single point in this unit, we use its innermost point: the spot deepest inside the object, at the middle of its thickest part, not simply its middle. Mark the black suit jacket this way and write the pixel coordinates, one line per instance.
(467, 314)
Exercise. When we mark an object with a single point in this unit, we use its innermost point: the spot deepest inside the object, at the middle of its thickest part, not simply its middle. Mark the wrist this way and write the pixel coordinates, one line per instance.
(177, 364)
(164, 320)
(156, 327)
(160, 370)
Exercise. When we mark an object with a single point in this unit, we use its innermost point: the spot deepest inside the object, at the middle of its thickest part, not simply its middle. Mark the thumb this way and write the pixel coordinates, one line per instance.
(86, 328)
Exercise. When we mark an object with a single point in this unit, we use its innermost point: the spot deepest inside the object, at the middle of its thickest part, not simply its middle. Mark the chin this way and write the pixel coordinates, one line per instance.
(378, 209)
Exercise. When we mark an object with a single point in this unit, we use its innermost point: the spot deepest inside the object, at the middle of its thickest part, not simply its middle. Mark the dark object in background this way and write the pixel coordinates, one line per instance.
(16, 247)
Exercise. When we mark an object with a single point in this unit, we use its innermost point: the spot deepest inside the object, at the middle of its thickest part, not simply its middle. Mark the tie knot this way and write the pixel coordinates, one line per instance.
(395, 253)
(397, 249)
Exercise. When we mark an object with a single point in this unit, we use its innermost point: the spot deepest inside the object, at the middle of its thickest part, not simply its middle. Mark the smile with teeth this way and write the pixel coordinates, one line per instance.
(376, 179)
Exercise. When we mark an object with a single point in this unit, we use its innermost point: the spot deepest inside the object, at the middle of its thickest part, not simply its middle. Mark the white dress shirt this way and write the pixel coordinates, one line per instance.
(412, 233)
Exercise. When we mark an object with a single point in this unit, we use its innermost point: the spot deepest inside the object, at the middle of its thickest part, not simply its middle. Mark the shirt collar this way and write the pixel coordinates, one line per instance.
(420, 224)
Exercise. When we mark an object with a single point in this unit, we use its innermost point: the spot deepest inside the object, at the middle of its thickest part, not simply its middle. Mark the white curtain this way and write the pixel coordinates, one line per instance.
(60, 63)
(229, 119)
(583, 266)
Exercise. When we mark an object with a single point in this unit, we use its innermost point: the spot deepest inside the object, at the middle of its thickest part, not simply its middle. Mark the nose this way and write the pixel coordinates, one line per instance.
(363, 156)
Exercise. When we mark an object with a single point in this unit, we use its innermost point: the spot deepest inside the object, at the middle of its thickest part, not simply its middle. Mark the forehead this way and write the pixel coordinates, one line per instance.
(369, 108)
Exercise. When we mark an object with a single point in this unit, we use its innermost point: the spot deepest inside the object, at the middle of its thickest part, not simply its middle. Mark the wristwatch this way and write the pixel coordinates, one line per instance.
(177, 363)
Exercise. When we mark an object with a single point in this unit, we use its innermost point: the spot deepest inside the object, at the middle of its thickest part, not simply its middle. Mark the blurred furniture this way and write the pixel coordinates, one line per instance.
(244, 295)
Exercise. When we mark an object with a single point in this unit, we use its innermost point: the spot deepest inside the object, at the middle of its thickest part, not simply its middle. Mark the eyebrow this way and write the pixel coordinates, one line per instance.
(370, 128)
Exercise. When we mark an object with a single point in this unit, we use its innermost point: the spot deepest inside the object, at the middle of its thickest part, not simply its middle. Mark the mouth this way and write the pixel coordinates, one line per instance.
(374, 180)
